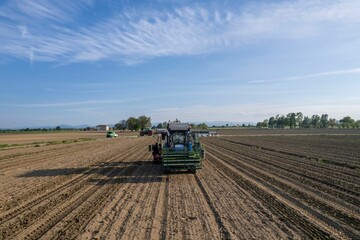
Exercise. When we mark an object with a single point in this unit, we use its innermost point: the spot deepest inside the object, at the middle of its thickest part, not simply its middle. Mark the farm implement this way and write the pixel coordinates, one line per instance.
(178, 149)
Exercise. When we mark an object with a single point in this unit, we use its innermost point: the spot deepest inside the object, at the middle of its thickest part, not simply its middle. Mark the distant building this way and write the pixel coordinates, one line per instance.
(102, 128)
(213, 134)
(205, 133)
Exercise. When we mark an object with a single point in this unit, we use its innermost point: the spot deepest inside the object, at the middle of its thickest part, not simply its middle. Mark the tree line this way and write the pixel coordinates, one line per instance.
(298, 120)
(134, 124)
(143, 122)
(33, 130)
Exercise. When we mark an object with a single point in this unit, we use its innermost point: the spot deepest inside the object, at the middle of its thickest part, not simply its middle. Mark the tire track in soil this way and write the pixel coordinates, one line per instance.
(317, 209)
(206, 221)
(173, 226)
(166, 204)
(100, 226)
(14, 212)
(189, 215)
(314, 146)
(320, 193)
(316, 182)
(87, 212)
(44, 187)
(116, 208)
(244, 215)
(126, 213)
(224, 232)
(119, 206)
(94, 194)
(153, 227)
(42, 156)
(293, 218)
(143, 214)
(310, 166)
(78, 219)
(31, 214)
(25, 191)
(345, 165)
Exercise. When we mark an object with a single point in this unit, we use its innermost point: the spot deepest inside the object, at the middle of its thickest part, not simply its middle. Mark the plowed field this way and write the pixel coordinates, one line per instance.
(268, 187)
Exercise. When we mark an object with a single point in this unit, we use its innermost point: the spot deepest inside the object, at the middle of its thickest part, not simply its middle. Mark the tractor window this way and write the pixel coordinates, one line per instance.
(178, 138)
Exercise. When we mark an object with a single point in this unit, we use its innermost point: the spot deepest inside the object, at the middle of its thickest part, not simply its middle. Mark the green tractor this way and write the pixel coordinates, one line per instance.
(178, 149)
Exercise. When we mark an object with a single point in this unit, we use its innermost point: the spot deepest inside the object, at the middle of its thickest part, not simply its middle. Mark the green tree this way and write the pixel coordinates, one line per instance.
(281, 121)
(271, 122)
(306, 123)
(347, 122)
(144, 122)
(133, 124)
(287, 120)
(332, 122)
(357, 124)
(122, 125)
(202, 126)
(299, 119)
(277, 121)
(315, 121)
(58, 128)
(159, 125)
(291, 119)
(324, 122)
(265, 124)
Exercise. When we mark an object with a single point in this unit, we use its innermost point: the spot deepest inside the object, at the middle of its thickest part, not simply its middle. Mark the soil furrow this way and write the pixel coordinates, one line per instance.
(312, 178)
(53, 199)
(318, 209)
(295, 220)
(250, 187)
(82, 215)
(297, 181)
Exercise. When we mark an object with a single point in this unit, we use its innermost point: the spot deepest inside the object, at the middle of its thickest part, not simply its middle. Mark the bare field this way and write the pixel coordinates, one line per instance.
(279, 132)
(21, 138)
(272, 187)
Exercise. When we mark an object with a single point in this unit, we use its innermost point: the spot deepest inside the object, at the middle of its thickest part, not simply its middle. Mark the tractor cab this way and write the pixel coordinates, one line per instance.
(178, 149)
(181, 150)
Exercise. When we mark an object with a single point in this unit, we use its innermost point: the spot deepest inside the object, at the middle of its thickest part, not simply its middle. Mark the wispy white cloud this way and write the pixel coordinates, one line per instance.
(322, 74)
(24, 31)
(83, 104)
(135, 36)
(69, 104)
(58, 11)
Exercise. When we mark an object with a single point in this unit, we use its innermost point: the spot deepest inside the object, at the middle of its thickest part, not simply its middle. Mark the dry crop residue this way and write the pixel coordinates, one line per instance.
(249, 188)
(308, 184)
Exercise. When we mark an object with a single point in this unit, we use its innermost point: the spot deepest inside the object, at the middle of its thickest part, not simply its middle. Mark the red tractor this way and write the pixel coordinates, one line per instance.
(146, 132)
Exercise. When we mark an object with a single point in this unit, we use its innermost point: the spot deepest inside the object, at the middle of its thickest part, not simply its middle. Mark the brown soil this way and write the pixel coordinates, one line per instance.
(249, 188)
(22, 138)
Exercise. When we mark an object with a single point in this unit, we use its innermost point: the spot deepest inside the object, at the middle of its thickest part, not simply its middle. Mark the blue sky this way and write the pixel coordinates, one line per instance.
(93, 62)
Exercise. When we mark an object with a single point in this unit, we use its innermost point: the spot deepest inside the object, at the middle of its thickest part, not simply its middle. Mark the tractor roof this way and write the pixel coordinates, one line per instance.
(179, 127)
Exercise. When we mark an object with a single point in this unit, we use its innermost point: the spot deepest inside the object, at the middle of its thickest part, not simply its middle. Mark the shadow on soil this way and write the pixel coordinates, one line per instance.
(142, 171)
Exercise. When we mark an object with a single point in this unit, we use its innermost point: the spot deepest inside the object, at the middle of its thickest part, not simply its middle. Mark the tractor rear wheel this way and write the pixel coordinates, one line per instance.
(193, 171)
